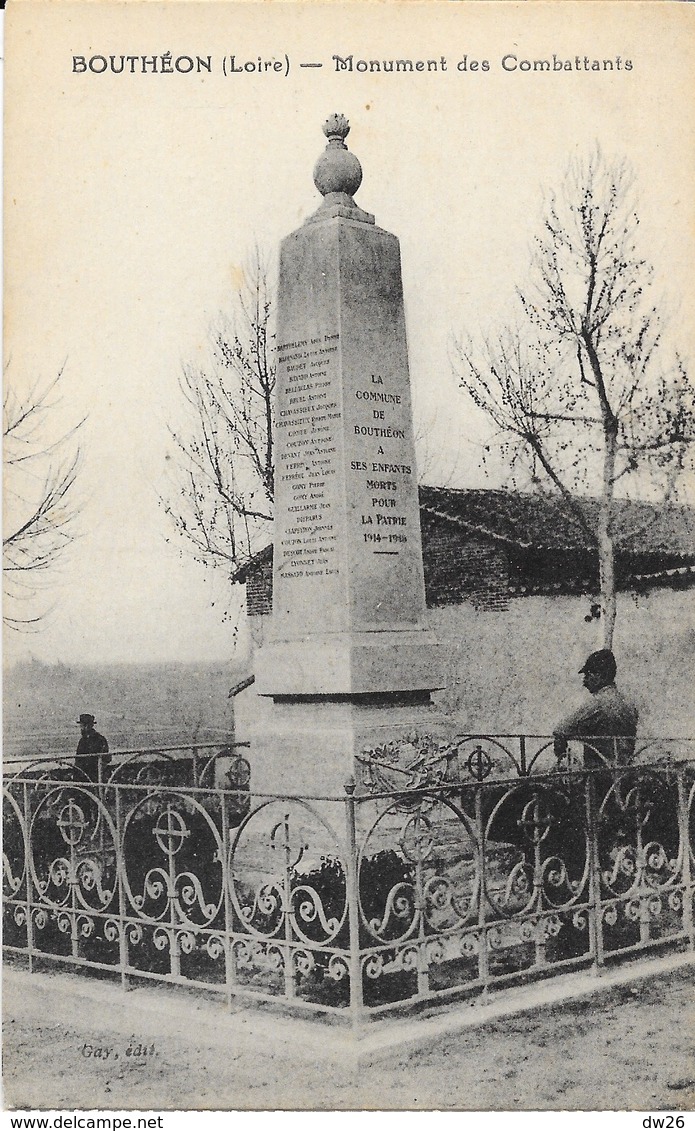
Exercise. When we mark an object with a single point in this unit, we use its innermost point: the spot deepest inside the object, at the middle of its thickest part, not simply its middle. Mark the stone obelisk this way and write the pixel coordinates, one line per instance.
(349, 657)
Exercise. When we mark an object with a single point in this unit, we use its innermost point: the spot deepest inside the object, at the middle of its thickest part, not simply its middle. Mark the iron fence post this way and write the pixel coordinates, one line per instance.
(684, 833)
(290, 989)
(72, 880)
(641, 877)
(539, 945)
(229, 969)
(27, 871)
(123, 954)
(356, 995)
(483, 963)
(423, 978)
(99, 826)
(594, 901)
(522, 756)
(174, 947)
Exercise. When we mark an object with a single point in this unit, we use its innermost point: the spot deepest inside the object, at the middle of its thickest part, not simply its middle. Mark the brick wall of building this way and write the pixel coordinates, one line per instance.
(460, 567)
(259, 587)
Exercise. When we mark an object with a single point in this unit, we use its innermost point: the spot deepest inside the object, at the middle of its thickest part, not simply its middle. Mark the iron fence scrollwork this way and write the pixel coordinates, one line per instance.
(434, 874)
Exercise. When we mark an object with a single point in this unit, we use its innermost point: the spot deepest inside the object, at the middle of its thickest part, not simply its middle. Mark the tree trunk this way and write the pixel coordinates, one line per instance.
(606, 550)
(606, 560)
(604, 533)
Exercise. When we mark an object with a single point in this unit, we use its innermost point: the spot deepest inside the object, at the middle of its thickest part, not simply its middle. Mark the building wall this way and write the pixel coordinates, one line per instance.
(519, 670)
(259, 588)
(459, 568)
(516, 670)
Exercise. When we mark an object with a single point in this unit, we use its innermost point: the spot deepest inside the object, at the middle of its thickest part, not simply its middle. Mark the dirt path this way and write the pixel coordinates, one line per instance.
(631, 1047)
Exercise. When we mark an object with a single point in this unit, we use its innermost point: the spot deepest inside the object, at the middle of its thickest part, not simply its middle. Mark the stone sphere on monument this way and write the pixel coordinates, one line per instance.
(337, 170)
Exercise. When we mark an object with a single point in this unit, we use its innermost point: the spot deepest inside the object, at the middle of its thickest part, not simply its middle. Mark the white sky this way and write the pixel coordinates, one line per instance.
(133, 200)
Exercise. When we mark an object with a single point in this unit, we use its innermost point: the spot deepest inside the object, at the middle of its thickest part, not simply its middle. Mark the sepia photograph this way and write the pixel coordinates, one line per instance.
(349, 557)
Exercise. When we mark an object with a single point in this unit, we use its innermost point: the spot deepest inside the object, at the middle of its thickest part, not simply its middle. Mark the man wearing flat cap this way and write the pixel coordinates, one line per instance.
(607, 721)
(92, 748)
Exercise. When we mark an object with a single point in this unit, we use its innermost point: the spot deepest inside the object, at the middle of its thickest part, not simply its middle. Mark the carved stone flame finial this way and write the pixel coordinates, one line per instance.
(336, 128)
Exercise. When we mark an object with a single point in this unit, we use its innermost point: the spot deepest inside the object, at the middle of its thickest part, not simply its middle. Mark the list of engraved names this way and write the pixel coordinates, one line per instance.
(307, 459)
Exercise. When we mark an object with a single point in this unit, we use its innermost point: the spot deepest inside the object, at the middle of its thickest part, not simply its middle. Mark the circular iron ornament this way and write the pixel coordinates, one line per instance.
(675, 901)
(337, 968)
(87, 871)
(171, 836)
(373, 965)
(417, 840)
(64, 921)
(479, 763)
(72, 823)
(277, 849)
(552, 925)
(112, 931)
(135, 934)
(469, 946)
(529, 931)
(580, 921)
(525, 874)
(162, 938)
(427, 884)
(184, 898)
(494, 938)
(186, 941)
(535, 821)
(638, 833)
(283, 841)
(303, 962)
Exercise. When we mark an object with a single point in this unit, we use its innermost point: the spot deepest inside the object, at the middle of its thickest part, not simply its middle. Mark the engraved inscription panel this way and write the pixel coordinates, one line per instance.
(384, 542)
(347, 537)
(309, 571)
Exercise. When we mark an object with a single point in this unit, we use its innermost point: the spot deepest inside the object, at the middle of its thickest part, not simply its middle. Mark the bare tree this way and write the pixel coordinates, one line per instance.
(221, 502)
(40, 505)
(583, 391)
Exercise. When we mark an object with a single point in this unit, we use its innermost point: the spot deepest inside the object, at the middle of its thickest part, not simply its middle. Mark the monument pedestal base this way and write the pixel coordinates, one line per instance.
(313, 747)
(360, 663)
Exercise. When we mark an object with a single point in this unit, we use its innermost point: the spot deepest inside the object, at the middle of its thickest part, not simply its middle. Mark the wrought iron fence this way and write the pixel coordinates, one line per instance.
(361, 903)
(204, 763)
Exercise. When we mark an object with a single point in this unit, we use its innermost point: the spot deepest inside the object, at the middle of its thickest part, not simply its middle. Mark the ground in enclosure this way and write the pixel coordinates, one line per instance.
(629, 1046)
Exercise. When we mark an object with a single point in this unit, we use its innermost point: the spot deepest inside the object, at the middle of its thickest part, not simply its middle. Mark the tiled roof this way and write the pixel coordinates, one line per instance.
(544, 522)
(259, 559)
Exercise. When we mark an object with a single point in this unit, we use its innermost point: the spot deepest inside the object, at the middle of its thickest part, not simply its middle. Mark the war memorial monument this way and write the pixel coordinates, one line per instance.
(376, 860)
(350, 662)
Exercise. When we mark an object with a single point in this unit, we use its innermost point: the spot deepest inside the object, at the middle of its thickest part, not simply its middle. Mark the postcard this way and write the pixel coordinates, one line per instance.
(349, 539)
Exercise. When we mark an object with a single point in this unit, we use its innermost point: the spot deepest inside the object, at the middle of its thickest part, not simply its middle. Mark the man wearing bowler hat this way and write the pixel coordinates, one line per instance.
(92, 748)
(608, 721)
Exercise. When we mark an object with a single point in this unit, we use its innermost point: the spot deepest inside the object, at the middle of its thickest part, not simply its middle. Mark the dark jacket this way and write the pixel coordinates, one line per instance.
(89, 747)
(610, 721)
